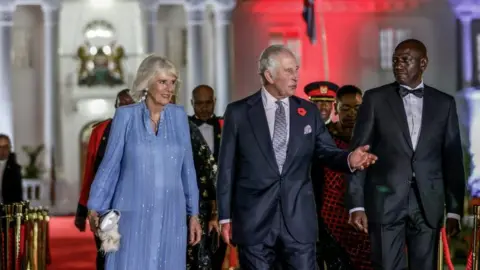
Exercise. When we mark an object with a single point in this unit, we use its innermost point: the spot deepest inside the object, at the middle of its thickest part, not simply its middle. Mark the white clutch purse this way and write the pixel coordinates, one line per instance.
(108, 231)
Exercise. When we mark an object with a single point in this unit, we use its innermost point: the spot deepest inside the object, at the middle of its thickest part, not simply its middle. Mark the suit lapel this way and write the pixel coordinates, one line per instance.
(428, 113)
(259, 126)
(396, 105)
(297, 126)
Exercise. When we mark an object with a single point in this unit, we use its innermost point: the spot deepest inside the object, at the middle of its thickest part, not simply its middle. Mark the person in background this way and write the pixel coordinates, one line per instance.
(95, 152)
(323, 94)
(148, 175)
(10, 173)
(352, 247)
(210, 126)
(199, 257)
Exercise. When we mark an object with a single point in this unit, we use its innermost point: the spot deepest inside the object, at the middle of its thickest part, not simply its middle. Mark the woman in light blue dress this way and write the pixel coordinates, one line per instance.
(148, 175)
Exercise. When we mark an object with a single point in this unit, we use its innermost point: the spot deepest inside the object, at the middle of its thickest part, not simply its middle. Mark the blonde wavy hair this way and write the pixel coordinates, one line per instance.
(150, 67)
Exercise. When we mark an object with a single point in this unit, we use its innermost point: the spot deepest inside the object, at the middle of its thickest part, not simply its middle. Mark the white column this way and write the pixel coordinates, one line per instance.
(6, 106)
(195, 60)
(151, 19)
(467, 51)
(223, 63)
(51, 117)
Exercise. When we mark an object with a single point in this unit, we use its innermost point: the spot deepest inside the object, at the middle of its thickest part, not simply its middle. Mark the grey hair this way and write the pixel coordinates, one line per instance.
(268, 60)
(150, 67)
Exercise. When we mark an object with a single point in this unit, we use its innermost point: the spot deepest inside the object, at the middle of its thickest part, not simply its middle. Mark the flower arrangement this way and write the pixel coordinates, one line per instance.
(32, 170)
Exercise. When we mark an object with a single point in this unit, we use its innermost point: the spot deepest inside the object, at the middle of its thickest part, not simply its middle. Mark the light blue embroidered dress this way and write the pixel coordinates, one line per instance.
(151, 180)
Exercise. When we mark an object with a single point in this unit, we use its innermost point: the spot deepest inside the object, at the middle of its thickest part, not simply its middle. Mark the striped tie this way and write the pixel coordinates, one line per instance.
(280, 135)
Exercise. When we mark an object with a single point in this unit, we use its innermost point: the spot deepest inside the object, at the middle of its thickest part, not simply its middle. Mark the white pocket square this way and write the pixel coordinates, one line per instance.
(307, 130)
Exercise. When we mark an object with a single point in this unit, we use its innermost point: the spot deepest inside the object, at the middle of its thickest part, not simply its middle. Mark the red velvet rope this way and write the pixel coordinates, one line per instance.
(446, 250)
(469, 261)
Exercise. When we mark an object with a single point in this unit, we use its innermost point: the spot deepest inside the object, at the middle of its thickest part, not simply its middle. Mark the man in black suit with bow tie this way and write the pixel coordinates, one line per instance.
(413, 129)
(210, 125)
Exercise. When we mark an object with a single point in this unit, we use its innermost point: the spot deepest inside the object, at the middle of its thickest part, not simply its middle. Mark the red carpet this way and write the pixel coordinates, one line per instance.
(70, 249)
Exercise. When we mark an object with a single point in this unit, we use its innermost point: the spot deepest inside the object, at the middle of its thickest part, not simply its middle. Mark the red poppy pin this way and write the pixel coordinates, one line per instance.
(301, 111)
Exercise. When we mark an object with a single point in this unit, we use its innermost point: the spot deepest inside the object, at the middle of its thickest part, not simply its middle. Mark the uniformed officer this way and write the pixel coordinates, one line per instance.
(322, 93)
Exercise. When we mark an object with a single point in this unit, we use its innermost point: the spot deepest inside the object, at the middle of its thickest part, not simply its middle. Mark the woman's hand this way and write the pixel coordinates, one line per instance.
(195, 231)
(213, 225)
(93, 221)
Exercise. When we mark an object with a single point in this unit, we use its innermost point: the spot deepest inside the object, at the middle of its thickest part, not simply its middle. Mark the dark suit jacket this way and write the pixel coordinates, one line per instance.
(437, 160)
(250, 186)
(12, 190)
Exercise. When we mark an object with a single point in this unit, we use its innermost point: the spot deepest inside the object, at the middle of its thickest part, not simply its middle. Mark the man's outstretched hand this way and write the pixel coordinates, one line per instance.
(360, 158)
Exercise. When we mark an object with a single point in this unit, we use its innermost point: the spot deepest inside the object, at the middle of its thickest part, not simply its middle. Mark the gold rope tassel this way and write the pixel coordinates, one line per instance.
(18, 232)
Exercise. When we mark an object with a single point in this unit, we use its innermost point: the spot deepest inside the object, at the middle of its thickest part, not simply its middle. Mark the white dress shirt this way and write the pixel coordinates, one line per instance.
(413, 109)
(208, 134)
(270, 106)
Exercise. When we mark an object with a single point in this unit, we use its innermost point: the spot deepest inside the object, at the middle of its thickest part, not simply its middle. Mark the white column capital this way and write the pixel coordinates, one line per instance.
(223, 10)
(151, 15)
(466, 19)
(195, 11)
(50, 5)
(6, 15)
(149, 5)
(50, 14)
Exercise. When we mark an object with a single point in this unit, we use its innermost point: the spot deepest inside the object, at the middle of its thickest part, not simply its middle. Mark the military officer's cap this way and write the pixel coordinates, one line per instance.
(321, 91)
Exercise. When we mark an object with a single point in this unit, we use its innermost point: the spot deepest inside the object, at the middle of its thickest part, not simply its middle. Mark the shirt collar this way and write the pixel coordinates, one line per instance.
(421, 85)
(269, 100)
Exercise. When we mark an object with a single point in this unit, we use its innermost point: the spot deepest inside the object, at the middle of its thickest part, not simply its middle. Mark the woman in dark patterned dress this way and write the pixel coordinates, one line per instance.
(335, 215)
(199, 256)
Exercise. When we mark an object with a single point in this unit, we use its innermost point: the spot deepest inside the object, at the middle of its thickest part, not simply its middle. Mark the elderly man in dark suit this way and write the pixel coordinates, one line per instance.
(264, 190)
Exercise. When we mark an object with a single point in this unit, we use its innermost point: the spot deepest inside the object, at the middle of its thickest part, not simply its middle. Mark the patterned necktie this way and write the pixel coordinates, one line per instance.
(280, 135)
(405, 92)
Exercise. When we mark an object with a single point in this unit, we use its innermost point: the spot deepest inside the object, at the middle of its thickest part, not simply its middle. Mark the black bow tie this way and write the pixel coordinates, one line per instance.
(405, 92)
(198, 122)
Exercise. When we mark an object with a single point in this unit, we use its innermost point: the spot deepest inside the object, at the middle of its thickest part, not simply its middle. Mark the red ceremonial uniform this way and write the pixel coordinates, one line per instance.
(89, 170)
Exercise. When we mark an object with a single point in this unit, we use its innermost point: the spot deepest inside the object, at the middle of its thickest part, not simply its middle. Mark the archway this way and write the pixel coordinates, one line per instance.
(84, 138)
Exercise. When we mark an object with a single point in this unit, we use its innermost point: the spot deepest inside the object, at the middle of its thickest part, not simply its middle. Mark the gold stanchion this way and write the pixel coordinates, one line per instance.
(24, 237)
(440, 264)
(18, 233)
(35, 241)
(26, 259)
